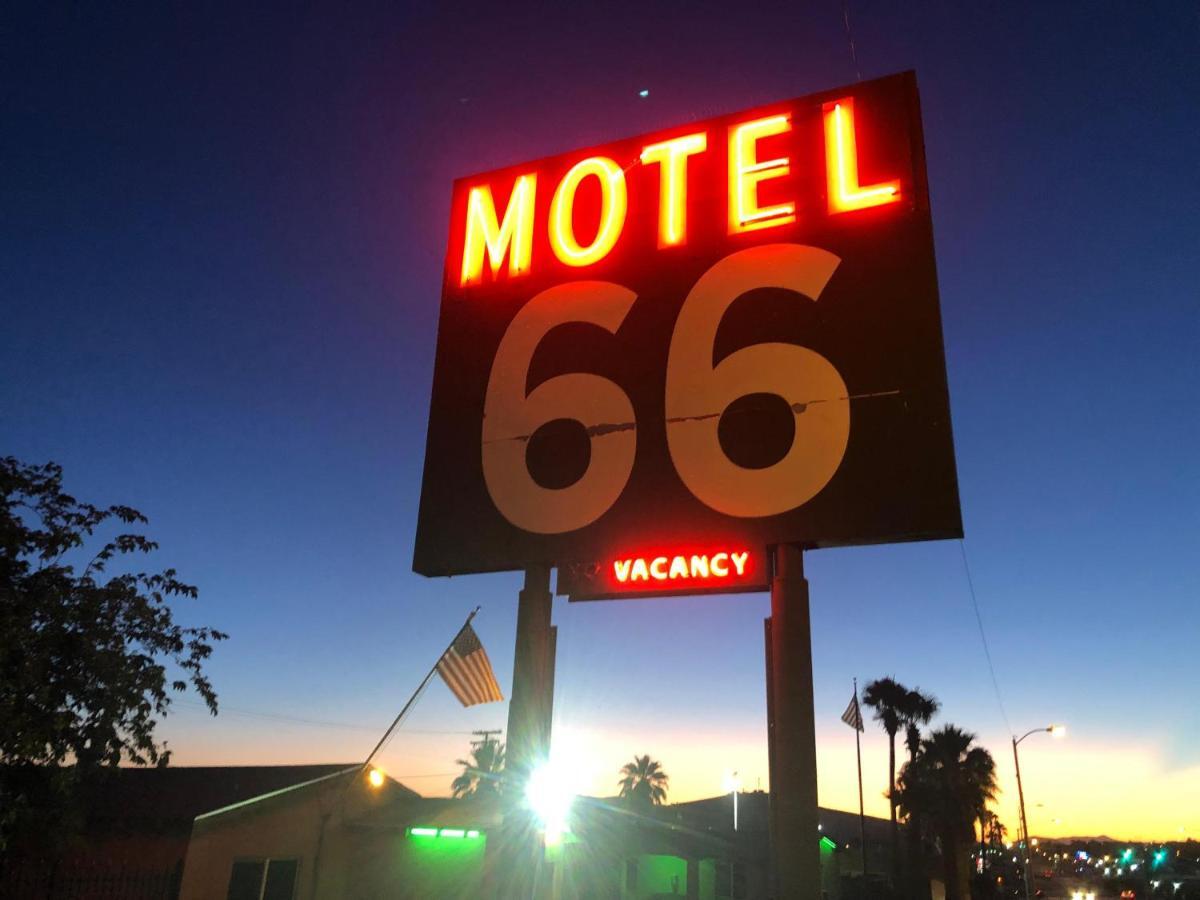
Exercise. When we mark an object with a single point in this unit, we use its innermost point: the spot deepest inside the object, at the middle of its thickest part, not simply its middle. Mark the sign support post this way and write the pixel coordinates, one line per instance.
(531, 706)
(793, 758)
(511, 868)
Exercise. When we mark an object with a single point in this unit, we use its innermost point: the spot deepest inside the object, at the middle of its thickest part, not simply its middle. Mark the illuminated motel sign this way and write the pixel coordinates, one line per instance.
(660, 356)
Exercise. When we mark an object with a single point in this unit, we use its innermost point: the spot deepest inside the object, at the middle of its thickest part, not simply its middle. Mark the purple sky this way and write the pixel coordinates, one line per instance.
(222, 244)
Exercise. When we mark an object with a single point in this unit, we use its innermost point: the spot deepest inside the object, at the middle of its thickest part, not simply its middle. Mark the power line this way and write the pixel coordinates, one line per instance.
(850, 39)
(298, 720)
(982, 636)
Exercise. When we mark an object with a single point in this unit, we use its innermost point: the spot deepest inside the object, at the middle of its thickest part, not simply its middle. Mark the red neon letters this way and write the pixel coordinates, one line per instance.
(700, 567)
(759, 153)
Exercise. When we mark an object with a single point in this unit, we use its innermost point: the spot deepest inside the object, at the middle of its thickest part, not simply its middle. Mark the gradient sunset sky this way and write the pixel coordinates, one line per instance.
(223, 232)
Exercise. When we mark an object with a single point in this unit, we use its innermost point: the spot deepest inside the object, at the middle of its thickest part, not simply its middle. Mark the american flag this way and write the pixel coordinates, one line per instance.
(467, 671)
(853, 715)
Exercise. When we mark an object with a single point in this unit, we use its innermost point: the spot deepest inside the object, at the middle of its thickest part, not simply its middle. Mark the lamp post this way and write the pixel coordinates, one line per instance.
(1056, 731)
(733, 784)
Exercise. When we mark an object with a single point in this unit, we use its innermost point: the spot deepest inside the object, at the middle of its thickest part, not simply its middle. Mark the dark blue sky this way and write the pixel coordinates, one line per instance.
(222, 236)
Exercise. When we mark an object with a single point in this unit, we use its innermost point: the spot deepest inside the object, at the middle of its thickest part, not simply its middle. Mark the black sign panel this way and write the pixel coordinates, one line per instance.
(722, 335)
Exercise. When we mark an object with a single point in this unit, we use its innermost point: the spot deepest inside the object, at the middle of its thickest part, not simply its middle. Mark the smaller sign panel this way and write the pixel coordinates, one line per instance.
(668, 571)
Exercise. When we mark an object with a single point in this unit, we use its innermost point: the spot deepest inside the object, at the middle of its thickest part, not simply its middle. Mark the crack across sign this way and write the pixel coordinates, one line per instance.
(603, 428)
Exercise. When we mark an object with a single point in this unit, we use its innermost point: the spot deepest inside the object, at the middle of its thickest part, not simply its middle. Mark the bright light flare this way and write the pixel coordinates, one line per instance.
(375, 778)
(550, 799)
(1058, 731)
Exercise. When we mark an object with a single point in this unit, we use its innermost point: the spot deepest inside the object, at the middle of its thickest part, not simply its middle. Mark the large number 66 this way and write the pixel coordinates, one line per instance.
(697, 393)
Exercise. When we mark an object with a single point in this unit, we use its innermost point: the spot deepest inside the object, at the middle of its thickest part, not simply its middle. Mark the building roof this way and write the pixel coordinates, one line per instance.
(166, 801)
(715, 814)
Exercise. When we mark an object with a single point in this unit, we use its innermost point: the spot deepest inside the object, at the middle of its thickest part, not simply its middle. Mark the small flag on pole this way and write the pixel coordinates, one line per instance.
(467, 671)
(853, 715)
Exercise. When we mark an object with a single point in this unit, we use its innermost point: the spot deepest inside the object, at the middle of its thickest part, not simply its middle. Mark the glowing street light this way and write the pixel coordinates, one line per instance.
(1056, 731)
(733, 784)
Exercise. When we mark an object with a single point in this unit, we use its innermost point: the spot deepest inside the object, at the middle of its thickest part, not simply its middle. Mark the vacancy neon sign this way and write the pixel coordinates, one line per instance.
(710, 569)
(766, 171)
(695, 566)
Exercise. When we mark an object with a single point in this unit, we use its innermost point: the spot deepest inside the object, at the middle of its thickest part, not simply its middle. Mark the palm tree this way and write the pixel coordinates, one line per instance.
(917, 710)
(643, 782)
(481, 773)
(996, 830)
(889, 699)
(946, 787)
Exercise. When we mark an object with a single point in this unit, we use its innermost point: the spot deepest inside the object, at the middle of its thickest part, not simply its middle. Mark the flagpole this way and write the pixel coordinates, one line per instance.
(416, 694)
(862, 818)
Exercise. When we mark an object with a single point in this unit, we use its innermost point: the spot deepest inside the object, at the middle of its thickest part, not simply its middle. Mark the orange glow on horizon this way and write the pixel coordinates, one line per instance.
(841, 164)
(613, 205)
(672, 184)
(514, 235)
(745, 173)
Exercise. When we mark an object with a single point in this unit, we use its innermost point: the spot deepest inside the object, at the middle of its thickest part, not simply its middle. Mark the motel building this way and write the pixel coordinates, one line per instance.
(340, 836)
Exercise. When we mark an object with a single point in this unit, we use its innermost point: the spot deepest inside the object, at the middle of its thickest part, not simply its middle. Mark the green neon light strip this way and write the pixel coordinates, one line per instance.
(829, 845)
(426, 831)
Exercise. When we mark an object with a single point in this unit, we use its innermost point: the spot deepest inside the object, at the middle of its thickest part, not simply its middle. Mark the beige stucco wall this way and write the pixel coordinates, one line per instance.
(288, 826)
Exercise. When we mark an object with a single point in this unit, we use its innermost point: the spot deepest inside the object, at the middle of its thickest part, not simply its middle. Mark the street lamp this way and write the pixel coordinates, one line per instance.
(734, 785)
(1055, 731)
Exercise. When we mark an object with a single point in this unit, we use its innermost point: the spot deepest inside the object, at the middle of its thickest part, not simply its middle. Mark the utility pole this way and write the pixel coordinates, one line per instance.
(485, 736)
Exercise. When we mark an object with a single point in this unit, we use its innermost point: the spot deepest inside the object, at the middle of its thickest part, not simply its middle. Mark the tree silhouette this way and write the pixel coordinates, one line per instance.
(643, 782)
(890, 700)
(917, 709)
(83, 654)
(947, 787)
(482, 772)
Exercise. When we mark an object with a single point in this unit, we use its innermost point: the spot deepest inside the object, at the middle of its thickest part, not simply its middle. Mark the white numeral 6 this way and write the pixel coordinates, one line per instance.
(697, 393)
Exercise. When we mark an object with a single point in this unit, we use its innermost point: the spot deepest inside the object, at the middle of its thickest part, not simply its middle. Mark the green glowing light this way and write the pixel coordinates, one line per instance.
(828, 844)
(426, 831)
